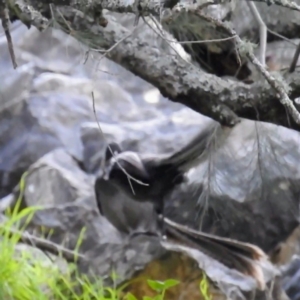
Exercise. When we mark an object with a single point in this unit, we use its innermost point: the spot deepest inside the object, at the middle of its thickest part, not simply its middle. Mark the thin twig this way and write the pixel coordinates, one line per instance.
(208, 41)
(189, 42)
(71, 31)
(4, 16)
(138, 12)
(282, 37)
(295, 59)
(33, 244)
(161, 34)
(262, 32)
(46, 245)
(129, 177)
(113, 154)
(278, 87)
(115, 45)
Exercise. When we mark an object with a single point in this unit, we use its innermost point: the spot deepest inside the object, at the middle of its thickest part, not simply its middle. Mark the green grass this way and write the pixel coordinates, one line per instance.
(24, 275)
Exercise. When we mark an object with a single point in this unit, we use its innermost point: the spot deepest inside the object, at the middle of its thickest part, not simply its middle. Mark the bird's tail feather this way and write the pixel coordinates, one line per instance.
(240, 256)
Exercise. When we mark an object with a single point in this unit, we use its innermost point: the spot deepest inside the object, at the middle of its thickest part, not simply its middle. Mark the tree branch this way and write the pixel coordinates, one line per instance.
(27, 14)
(150, 6)
(280, 87)
(178, 80)
(156, 69)
(284, 3)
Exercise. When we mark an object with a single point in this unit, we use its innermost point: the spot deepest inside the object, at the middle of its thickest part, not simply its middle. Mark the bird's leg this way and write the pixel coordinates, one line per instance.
(161, 216)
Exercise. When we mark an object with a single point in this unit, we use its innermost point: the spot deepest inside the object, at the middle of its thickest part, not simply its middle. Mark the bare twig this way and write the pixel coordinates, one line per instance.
(129, 177)
(115, 45)
(295, 59)
(282, 37)
(191, 42)
(284, 3)
(161, 33)
(4, 16)
(113, 154)
(46, 245)
(207, 41)
(33, 244)
(138, 12)
(278, 86)
(262, 32)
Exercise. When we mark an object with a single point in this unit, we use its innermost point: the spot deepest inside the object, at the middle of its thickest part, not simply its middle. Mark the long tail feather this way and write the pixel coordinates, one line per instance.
(240, 256)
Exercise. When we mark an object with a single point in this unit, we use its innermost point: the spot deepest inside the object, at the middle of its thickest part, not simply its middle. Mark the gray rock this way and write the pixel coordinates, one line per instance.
(42, 106)
(37, 255)
(291, 278)
(33, 125)
(64, 182)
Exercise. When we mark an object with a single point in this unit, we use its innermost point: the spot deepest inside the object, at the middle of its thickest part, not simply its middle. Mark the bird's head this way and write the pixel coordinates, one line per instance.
(115, 160)
(112, 149)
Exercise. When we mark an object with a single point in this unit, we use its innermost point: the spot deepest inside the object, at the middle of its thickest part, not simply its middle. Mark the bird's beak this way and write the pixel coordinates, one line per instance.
(102, 165)
(106, 176)
(106, 171)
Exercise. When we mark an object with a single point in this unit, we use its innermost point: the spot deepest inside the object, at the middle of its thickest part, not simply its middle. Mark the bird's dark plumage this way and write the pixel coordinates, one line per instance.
(154, 177)
(122, 212)
(128, 204)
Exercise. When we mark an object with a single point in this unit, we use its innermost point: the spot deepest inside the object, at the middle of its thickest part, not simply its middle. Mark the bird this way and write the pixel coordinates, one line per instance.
(131, 218)
(150, 178)
(130, 191)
